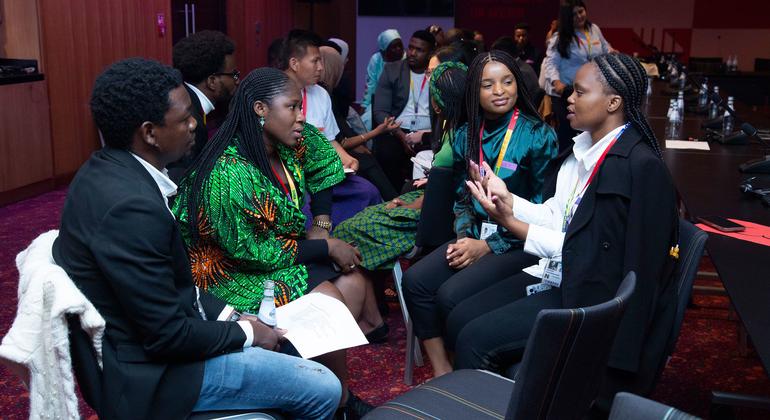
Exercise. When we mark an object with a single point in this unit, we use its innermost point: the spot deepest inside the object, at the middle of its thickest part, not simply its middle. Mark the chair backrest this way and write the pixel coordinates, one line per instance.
(565, 357)
(627, 406)
(692, 241)
(762, 64)
(436, 217)
(705, 64)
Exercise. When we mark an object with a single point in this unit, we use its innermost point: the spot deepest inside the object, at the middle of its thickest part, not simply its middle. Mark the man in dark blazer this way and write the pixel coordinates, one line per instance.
(206, 60)
(395, 90)
(169, 348)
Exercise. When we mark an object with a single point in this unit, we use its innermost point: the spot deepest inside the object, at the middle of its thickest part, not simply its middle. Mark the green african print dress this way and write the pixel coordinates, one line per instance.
(249, 228)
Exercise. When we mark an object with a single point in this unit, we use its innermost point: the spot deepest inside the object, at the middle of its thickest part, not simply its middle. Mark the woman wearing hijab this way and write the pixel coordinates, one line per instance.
(391, 48)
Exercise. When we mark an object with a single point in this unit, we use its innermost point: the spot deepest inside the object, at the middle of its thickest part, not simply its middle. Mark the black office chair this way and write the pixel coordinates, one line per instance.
(89, 379)
(762, 65)
(665, 326)
(627, 406)
(433, 229)
(708, 65)
(558, 378)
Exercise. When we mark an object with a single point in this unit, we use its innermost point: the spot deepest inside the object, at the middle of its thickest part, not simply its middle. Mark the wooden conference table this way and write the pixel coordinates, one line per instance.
(708, 182)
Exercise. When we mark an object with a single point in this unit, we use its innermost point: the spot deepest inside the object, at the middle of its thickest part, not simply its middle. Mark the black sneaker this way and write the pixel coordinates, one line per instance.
(379, 334)
(354, 409)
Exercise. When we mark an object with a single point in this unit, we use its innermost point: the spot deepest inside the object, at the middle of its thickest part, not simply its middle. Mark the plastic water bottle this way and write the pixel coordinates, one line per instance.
(674, 121)
(735, 63)
(714, 107)
(682, 78)
(703, 95)
(680, 103)
(267, 307)
(649, 87)
(727, 119)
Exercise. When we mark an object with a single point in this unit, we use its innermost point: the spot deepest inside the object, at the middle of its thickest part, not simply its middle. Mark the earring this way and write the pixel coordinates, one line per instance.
(261, 121)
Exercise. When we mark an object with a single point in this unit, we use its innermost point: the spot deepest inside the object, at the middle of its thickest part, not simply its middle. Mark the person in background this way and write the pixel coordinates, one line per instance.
(401, 93)
(525, 50)
(478, 38)
(304, 66)
(438, 33)
(505, 130)
(353, 143)
(206, 60)
(577, 41)
(391, 49)
(599, 225)
(240, 212)
(169, 348)
(552, 29)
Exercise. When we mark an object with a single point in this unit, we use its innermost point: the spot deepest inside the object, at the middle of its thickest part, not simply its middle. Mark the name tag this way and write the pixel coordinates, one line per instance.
(552, 273)
(487, 229)
(537, 288)
(509, 165)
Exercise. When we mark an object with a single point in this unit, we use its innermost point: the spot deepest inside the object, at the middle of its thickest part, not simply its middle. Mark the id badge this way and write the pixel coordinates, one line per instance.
(537, 288)
(487, 229)
(552, 273)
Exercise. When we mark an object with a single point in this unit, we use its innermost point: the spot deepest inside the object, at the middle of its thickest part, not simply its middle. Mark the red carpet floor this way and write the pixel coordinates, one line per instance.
(706, 357)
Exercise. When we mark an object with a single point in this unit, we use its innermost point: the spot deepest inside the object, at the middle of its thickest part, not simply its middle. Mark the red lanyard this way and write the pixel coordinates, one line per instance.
(291, 194)
(601, 159)
(304, 103)
(506, 141)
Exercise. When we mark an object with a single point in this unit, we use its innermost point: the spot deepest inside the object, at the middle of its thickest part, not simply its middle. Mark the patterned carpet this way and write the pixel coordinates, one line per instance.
(706, 358)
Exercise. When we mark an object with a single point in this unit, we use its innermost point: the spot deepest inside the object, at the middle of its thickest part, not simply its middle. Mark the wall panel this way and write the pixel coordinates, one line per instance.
(79, 39)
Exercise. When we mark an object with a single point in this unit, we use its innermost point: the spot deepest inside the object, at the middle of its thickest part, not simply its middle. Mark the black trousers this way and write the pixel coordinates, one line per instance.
(390, 154)
(490, 329)
(370, 169)
(564, 132)
(432, 289)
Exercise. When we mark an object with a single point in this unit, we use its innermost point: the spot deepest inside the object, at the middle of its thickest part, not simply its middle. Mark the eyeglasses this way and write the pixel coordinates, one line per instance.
(236, 74)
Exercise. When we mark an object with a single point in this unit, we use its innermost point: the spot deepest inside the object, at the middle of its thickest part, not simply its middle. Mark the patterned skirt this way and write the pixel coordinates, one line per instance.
(381, 234)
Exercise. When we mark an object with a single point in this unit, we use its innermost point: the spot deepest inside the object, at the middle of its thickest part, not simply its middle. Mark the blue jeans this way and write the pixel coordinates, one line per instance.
(263, 379)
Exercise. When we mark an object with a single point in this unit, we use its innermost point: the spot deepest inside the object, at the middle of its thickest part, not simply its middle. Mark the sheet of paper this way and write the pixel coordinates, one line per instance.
(317, 324)
(759, 234)
(687, 144)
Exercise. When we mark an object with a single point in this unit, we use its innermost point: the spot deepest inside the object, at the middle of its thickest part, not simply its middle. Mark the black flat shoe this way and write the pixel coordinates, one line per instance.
(354, 409)
(379, 334)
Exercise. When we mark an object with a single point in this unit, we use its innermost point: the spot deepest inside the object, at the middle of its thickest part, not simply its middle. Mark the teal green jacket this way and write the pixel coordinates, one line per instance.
(533, 144)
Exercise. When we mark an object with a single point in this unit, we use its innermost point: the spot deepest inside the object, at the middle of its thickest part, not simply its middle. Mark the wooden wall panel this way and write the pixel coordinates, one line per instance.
(19, 29)
(253, 25)
(25, 146)
(79, 39)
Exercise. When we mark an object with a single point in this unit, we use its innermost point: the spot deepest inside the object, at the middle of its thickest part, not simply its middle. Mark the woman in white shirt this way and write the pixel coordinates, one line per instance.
(613, 211)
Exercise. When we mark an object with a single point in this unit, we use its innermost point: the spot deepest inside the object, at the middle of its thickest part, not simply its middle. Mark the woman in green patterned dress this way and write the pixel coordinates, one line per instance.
(239, 208)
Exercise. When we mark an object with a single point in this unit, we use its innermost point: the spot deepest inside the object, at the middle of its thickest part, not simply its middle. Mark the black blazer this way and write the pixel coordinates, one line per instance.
(627, 220)
(122, 248)
(392, 92)
(177, 169)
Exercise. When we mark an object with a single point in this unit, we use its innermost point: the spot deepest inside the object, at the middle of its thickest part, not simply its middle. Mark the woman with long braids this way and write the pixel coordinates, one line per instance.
(240, 211)
(505, 130)
(576, 42)
(614, 211)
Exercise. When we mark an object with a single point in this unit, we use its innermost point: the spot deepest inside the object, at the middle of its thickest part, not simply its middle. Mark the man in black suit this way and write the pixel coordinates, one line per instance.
(402, 92)
(206, 60)
(169, 348)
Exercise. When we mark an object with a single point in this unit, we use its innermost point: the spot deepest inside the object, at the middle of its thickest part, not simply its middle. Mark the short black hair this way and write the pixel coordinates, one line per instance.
(202, 54)
(505, 43)
(521, 25)
(275, 52)
(128, 93)
(425, 36)
(296, 44)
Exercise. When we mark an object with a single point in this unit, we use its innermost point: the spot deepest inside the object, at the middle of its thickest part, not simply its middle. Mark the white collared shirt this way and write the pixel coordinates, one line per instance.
(206, 103)
(168, 189)
(408, 118)
(546, 237)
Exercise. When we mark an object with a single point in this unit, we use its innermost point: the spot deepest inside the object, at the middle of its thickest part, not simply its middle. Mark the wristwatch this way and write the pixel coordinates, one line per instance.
(323, 224)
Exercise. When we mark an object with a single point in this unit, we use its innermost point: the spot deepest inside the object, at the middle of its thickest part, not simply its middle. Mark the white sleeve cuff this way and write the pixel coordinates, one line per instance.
(249, 331)
(225, 314)
(531, 213)
(543, 242)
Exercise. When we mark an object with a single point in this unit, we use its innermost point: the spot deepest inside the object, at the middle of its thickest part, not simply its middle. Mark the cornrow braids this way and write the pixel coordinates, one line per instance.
(625, 76)
(472, 101)
(262, 84)
(447, 90)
